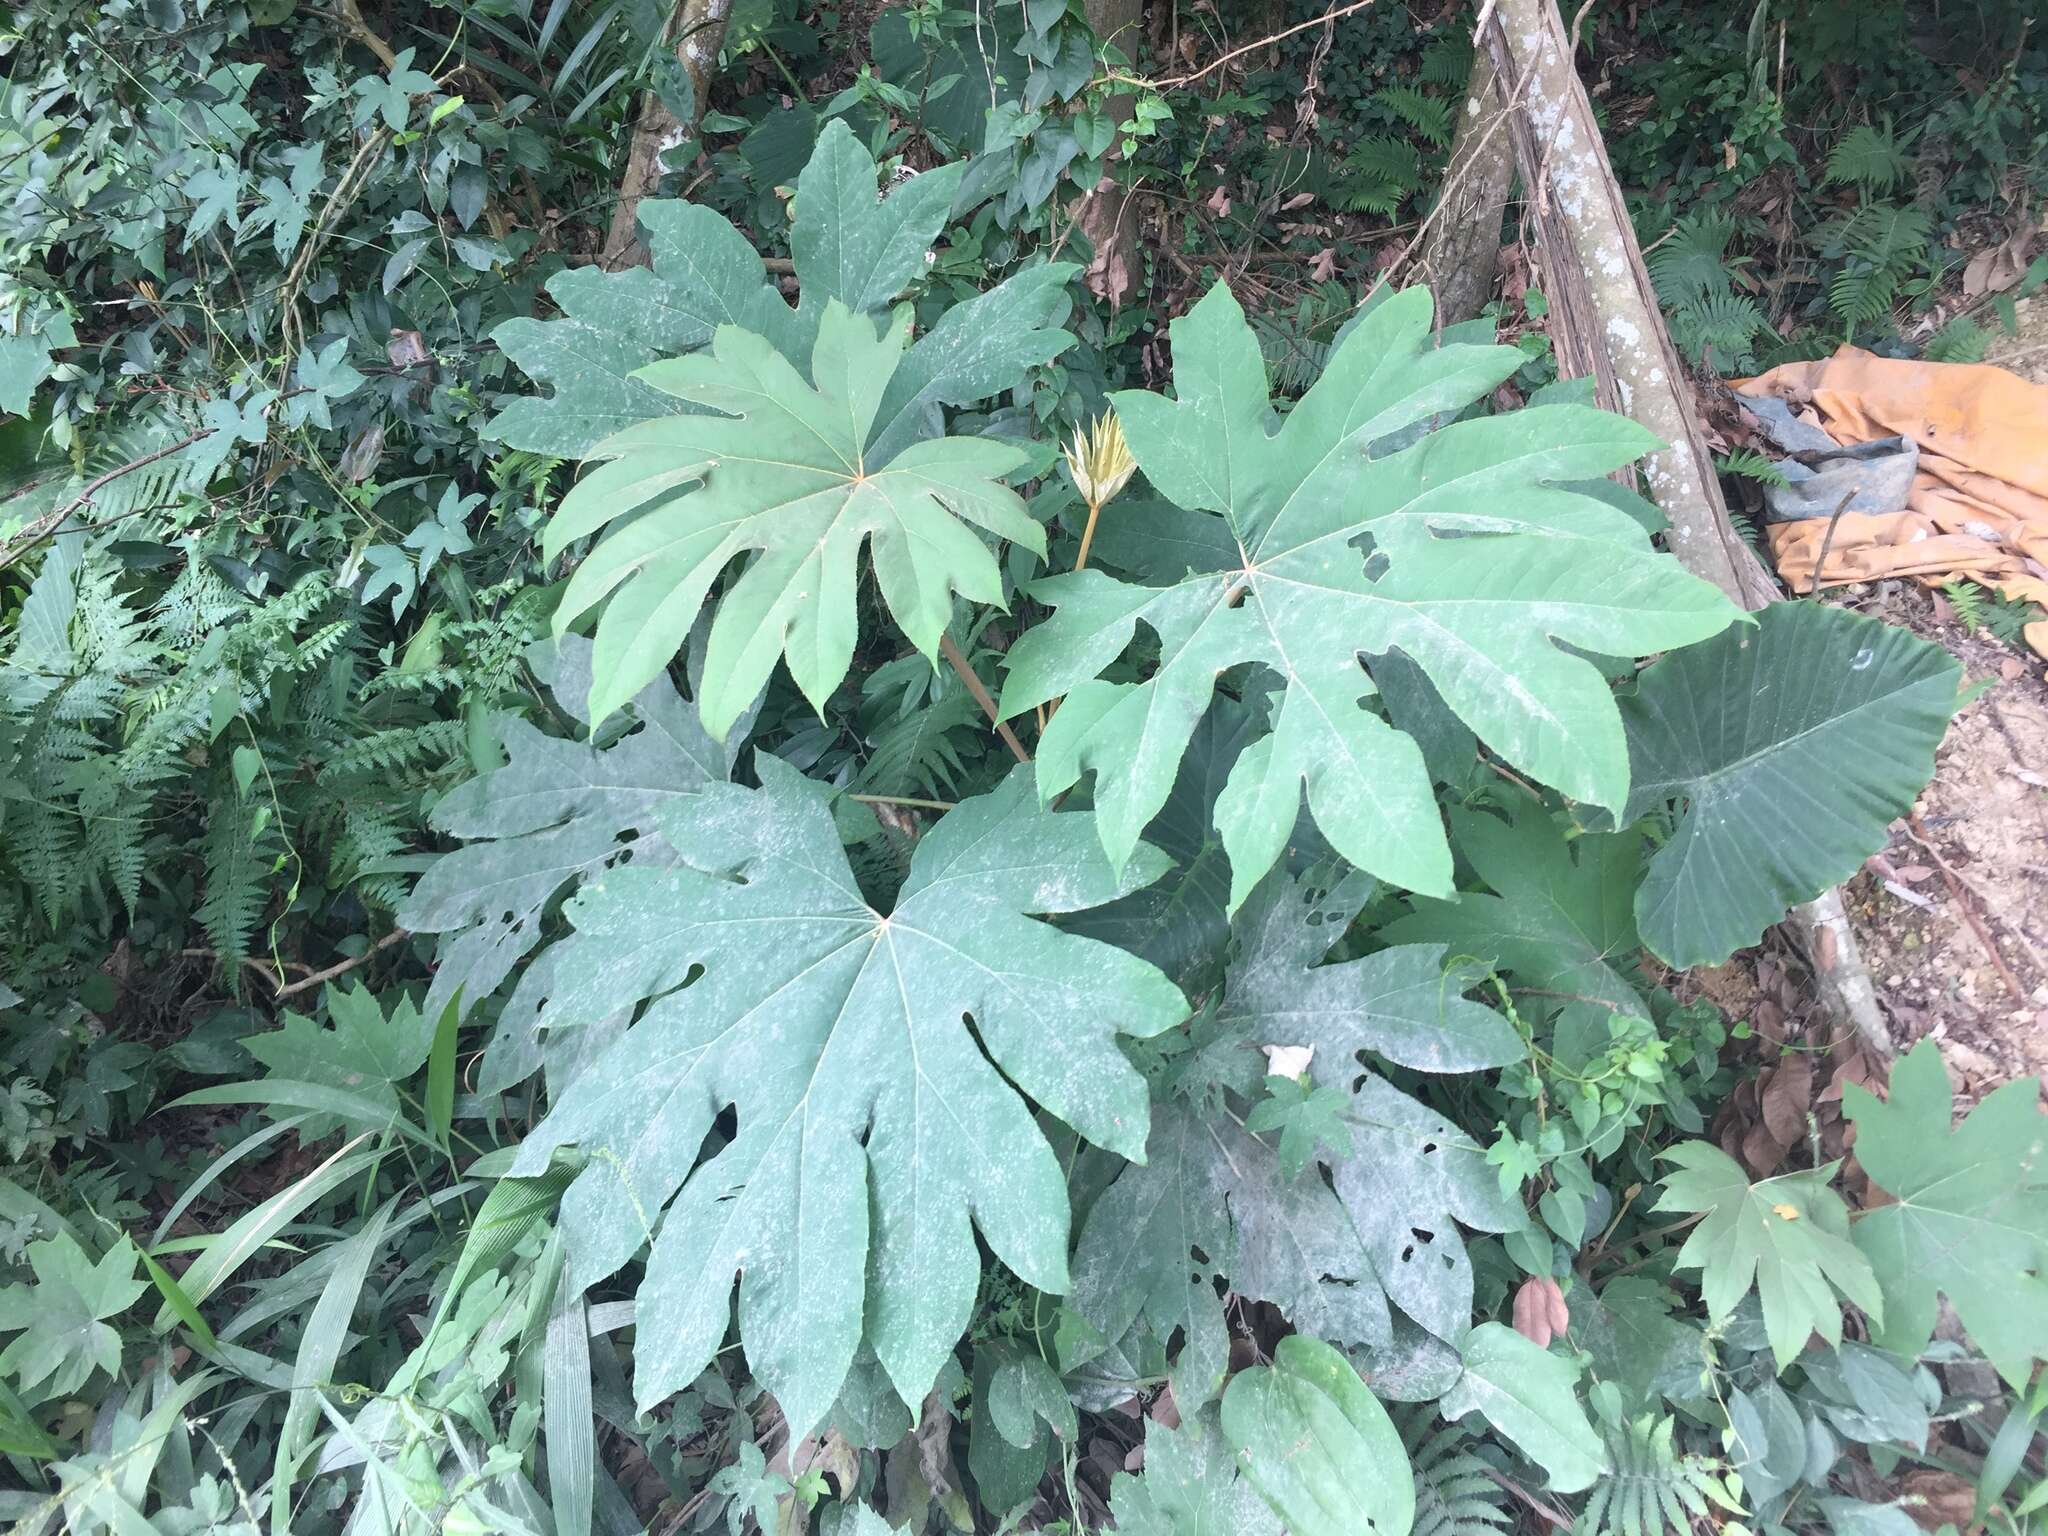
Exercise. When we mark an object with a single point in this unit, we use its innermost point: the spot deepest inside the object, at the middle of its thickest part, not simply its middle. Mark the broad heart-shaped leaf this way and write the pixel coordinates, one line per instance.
(1479, 564)
(849, 245)
(1369, 1259)
(557, 812)
(1792, 745)
(1787, 1236)
(874, 1131)
(782, 472)
(1556, 914)
(1525, 1392)
(1189, 1487)
(1318, 1446)
(1969, 1218)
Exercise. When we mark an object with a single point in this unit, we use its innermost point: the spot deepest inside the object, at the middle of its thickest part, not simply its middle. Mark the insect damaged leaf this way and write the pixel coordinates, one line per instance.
(1357, 532)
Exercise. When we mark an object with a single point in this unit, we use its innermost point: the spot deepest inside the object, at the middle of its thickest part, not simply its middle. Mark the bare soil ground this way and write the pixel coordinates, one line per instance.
(1953, 914)
(2026, 351)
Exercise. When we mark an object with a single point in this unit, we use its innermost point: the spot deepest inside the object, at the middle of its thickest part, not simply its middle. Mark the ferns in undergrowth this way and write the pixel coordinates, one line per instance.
(1653, 1490)
(1869, 157)
(1748, 464)
(1879, 246)
(1691, 260)
(1447, 60)
(1295, 342)
(1429, 116)
(240, 846)
(1983, 611)
(124, 718)
(1962, 340)
(1455, 1492)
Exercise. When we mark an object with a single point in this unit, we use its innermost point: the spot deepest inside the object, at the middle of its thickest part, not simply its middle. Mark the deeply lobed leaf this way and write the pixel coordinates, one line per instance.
(1479, 565)
(874, 1132)
(773, 468)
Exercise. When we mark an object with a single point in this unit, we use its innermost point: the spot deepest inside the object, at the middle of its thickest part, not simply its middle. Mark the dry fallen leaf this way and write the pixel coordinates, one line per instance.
(1324, 267)
(1998, 267)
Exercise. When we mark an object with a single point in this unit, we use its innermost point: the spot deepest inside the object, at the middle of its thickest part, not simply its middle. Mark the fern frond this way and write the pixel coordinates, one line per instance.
(1750, 465)
(162, 484)
(1717, 329)
(1455, 1495)
(236, 890)
(1879, 245)
(1447, 61)
(1691, 260)
(1427, 115)
(1653, 1491)
(921, 752)
(1868, 157)
(1962, 340)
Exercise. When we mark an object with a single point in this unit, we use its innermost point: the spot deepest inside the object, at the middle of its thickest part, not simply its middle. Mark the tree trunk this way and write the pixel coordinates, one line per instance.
(1601, 299)
(1604, 320)
(698, 30)
(1461, 255)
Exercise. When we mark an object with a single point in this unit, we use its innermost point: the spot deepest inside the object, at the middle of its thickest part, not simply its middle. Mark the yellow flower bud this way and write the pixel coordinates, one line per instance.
(1100, 461)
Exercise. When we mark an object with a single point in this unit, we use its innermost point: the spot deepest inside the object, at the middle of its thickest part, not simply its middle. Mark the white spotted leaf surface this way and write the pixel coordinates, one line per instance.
(1367, 1257)
(867, 1060)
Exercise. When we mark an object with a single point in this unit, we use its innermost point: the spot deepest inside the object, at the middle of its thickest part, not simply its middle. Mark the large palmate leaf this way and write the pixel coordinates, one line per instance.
(557, 812)
(1969, 1212)
(1479, 564)
(1181, 921)
(848, 245)
(873, 1130)
(1556, 914)
(1368, 1258)
(1792, 747)
(783, 472)
(1787, 1236)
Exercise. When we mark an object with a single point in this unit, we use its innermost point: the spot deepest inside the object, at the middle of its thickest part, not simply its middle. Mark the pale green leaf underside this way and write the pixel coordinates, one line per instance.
(1318, 1446)
(1787, 1236)
(1792, 745)
(1479, 565)
(839, 1038)
(1189, 1487)
(781, 472)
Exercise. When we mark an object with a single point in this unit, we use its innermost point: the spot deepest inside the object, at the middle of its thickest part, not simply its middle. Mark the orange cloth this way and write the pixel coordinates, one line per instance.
(1979, 504)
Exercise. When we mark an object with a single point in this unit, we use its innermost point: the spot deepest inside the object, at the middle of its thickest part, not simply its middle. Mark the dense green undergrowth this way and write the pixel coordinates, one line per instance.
(537, 999)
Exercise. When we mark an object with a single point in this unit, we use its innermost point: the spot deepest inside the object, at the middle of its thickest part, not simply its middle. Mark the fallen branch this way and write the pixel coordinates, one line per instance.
(1175, 82)
(306, 982)
(50, 522)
